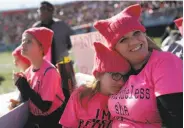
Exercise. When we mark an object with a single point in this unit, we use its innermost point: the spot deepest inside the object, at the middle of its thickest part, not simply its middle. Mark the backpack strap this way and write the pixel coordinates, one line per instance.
(47, 69)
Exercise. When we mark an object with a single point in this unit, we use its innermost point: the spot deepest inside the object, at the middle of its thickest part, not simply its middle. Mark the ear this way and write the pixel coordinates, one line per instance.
(101, 25)
(134, 10)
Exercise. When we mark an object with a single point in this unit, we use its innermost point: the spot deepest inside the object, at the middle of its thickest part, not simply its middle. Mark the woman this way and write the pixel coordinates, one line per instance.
(21, 63)
(87, 106)
(41, 82)
(152, 96)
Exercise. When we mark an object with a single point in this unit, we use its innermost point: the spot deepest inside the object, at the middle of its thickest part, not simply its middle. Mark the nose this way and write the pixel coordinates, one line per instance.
(133, 41)
(23, 45)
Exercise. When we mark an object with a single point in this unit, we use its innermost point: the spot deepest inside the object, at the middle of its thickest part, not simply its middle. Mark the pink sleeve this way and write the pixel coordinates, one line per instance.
(50, 84)
(168, 76)
(69, 117)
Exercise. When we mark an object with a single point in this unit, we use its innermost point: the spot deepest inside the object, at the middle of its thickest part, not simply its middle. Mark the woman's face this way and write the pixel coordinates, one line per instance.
(111, 83)
(30, 47)
(133, 46)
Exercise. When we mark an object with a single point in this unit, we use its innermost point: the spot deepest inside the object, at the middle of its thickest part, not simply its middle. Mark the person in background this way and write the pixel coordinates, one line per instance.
(153, 95)
(87, 106)
(40, 84)
(61, 44)
(174, 43)
(21, 63)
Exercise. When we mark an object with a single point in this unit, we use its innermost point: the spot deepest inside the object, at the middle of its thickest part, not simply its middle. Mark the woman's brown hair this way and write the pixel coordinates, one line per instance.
(152, 45)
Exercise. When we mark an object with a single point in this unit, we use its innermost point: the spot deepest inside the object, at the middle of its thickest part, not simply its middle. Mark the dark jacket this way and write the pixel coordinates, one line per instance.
(61, 41)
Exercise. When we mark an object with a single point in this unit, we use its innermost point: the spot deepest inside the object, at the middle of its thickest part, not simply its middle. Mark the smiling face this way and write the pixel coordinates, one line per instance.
(133, 46)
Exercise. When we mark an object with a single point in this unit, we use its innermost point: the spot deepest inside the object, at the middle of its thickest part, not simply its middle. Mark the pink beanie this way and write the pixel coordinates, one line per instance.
(43, 35)
(179, 24)
(114, 28)
(107, 60)
(17, 52)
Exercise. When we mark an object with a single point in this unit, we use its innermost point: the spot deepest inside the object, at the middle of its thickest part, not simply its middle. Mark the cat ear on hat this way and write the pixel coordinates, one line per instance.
(101, 24)
(179, 22)
(133, 10)
(98, 46)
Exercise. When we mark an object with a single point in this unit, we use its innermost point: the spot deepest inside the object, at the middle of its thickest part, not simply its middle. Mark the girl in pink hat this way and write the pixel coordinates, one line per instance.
(152, 96)
(41, 82)
(87, 106)
(22, 63)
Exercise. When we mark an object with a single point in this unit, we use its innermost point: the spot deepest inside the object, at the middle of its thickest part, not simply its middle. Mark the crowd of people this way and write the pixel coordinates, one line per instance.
(132, 85)
(12, 23)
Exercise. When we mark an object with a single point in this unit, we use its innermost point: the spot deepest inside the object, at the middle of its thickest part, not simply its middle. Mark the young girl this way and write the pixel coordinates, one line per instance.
(41, 82)
(87, 106)
(153, 94)
(22, 63)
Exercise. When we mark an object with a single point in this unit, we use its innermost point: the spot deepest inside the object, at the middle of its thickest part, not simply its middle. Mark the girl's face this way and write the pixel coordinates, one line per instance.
(111, 83)
(133, 46)
(19, 63)
(31, 48)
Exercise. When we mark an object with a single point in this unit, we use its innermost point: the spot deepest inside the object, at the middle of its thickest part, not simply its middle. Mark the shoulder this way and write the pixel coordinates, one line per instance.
(60, 23)
(48, 67)
(160, 56)
(76, 93)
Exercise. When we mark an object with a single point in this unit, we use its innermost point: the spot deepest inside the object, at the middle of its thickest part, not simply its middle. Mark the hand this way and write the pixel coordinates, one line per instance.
(23, 85)
(13, 104)
(17, 75)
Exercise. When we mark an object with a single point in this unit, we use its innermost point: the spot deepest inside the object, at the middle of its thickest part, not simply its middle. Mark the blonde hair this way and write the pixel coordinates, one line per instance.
(152, 45)
(89, 90)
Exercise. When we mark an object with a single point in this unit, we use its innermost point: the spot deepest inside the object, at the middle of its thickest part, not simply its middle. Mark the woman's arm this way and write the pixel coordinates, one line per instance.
(170, 107)
(167, 79)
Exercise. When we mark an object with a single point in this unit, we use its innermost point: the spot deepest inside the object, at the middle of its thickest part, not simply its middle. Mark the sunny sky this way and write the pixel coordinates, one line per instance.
(19, 4)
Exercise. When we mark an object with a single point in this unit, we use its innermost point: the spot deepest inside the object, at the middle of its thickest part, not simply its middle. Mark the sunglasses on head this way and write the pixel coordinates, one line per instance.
(118, 76)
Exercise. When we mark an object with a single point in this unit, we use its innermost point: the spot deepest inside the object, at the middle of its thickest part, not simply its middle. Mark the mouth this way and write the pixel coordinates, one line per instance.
(137, 48)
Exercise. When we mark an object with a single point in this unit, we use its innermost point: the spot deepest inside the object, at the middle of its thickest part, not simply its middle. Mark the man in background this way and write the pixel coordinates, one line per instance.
(58, 55)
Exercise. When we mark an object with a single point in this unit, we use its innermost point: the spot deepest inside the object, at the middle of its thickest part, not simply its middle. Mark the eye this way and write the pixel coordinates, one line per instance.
(137, 33)
(116, 75)
(123, 40)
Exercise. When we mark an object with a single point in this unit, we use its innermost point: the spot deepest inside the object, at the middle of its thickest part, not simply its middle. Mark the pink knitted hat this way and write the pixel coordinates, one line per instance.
(107, 60)
(17, 52)
(43, 35)
(114, 28)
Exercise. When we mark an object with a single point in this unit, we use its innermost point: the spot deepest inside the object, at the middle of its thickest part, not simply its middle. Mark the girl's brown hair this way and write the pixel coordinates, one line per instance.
(89, 90)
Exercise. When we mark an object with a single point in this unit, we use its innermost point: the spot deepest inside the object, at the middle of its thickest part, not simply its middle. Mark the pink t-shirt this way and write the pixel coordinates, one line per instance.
(92, 114)
(47, 84)
(135, 105)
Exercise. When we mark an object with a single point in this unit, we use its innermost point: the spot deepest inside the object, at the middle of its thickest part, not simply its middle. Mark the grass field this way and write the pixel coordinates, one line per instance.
(6, 68)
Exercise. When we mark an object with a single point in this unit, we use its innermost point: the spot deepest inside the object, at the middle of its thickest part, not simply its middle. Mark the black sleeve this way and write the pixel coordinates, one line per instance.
(26, 90)
(170, 107)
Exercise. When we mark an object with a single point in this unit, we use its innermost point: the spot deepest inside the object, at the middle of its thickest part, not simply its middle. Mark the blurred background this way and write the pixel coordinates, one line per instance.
(18, 15)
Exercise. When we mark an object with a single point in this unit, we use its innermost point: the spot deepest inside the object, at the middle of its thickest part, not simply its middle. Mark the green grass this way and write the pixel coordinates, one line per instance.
(6, 68)
(157, 40)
